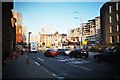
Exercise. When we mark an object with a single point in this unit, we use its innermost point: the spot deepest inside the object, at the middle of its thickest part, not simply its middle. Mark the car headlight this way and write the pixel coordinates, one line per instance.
(84, 52)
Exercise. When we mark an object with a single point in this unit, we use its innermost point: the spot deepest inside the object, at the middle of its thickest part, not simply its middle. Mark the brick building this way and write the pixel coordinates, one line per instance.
(8, 30)
(110, 24)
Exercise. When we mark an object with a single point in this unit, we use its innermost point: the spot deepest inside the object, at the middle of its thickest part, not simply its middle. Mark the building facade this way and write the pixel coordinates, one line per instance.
(55, 40)
(98, 27)
(92, 27)
(75, 33)
(86, 29)
(18, 17)
(8, 31)
(110, 23)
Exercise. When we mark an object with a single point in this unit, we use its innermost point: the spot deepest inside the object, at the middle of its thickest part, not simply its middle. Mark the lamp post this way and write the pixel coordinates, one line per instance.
(80, 32)
(28, 46)
(29, 40)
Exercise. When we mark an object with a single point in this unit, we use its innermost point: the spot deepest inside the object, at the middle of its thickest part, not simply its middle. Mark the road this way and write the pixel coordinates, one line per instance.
(62, 67)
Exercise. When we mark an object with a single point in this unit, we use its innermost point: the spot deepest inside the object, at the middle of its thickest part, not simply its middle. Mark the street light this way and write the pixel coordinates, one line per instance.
(29, 40)
(80, 32)
(28, 46)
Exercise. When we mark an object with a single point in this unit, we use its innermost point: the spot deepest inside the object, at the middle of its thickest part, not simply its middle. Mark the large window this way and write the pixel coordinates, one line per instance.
(110, 29)
(111, 39)
(116, 6)
(117, 18)
(118, 39)
(110, 19)
(110, 8)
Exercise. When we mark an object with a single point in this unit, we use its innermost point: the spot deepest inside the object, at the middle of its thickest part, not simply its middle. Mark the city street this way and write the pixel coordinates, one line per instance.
(60, 67)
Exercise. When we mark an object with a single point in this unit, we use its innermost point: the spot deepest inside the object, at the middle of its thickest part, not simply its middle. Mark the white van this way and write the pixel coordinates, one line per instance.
(33, 47)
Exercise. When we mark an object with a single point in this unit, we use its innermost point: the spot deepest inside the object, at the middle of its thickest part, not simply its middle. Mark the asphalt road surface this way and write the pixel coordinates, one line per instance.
(63, 67)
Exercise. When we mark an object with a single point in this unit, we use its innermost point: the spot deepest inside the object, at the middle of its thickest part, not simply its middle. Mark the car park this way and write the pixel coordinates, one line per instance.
(110, 54)
(79, 53)
(51, 53)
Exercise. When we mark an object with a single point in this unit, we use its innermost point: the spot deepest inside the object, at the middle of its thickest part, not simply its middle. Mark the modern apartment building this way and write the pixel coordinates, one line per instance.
(86, 29)
(92, 27)
(110, 23)
(98, 27)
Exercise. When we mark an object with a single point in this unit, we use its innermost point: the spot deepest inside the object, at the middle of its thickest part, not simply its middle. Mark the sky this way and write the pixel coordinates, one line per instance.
(60, 15)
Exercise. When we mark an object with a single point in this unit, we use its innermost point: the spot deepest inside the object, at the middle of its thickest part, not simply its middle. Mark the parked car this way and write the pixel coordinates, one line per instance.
(67, 51)
(63, 51)
(51, 52)
(14, 55)
(110, 54)
(78, 53)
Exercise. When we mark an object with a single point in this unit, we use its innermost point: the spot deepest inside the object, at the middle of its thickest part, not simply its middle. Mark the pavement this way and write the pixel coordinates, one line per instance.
(18, 68)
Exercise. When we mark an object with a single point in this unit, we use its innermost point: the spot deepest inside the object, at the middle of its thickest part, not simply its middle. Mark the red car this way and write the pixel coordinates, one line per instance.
(51, 52)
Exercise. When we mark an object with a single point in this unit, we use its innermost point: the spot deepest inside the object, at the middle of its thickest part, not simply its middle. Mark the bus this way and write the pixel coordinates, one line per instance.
(33, 47)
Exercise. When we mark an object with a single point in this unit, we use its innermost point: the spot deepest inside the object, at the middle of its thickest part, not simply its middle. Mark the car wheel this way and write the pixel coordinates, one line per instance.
(97, 59)
(86, 56)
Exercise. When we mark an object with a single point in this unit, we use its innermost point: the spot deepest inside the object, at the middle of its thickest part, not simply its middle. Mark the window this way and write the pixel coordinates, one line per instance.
(111, 39)
(118, 39)
(116, 6)
(110, 29)
(117, 17)
(110, 8)
(110, 19)
(118, 28)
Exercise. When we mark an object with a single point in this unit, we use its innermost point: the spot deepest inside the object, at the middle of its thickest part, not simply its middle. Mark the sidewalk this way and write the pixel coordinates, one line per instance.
(18, 68)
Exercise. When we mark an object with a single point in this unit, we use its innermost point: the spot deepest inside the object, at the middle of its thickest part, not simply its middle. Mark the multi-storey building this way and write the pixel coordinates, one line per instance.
(8, 32)
(24, 34)
(53, 40)
(86, 29)
(75, 34)
(42, 38)
(18, 17)
(92, 27)
(98, 27)
(92, 37)
(110, 23)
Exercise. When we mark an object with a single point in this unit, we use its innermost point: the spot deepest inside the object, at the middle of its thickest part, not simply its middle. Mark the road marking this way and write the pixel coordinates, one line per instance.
(45, 69)
(61, 77)
(41, 59)
(37, 63)
(81, 67)
(54, 74)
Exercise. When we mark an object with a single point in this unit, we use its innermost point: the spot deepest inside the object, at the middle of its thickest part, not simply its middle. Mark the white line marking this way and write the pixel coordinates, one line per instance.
(45, 69)
(54, 74)
(37, 63)
(81, 67)
(40, 59)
